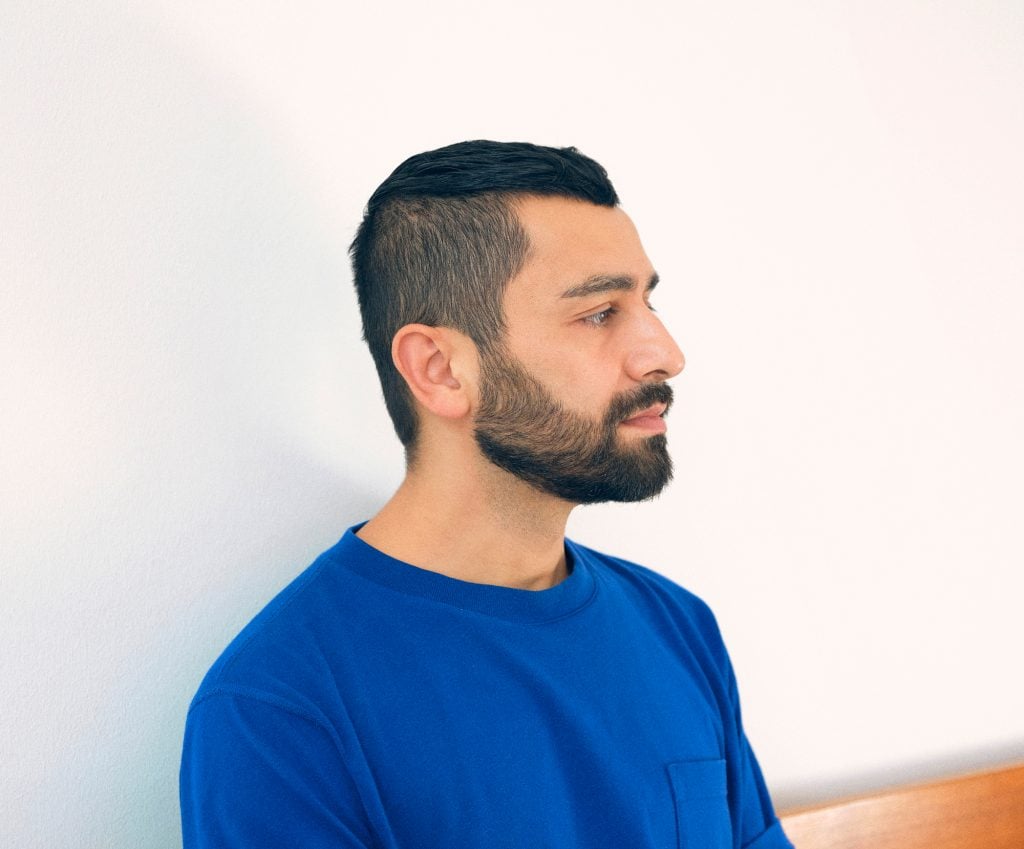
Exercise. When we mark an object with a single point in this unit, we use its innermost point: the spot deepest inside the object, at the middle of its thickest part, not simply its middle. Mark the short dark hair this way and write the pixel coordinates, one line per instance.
(440, 239)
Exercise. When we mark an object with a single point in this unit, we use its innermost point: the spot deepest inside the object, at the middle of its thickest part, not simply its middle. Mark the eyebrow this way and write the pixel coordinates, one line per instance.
(606, 283)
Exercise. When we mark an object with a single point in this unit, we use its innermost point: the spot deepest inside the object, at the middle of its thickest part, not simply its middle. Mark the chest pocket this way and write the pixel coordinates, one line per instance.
(702, 804)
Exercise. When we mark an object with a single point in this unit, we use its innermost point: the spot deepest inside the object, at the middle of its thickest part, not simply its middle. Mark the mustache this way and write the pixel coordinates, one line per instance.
(630, 403)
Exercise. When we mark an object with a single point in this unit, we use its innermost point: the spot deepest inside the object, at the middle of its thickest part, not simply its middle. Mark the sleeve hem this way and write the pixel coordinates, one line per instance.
(773, 838)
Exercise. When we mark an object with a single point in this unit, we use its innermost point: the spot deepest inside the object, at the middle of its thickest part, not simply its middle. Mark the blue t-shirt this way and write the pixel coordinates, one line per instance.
(373, 703)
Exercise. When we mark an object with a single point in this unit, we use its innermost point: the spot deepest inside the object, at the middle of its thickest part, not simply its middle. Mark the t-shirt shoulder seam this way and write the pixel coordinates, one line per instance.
(252, 694)
(263, 697)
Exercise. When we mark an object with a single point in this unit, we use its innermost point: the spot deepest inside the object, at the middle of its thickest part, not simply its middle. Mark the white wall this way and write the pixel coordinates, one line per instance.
(832, 193)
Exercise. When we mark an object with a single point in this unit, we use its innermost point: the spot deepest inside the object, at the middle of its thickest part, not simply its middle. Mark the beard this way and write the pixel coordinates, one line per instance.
(524, 430)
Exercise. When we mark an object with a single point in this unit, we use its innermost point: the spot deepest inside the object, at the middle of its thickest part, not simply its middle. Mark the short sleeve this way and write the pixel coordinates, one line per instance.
(260, 773)
(758, 827)
(754, 823)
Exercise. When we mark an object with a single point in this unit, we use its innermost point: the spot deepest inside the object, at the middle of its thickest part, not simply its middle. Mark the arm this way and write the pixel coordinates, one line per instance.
(258, 772)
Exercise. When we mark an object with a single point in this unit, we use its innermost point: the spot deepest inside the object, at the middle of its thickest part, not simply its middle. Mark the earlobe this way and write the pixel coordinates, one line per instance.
(424, 356)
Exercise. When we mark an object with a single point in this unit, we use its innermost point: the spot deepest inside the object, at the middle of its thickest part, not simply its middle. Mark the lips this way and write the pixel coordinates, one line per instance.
(654, 411)
(649, 420)
(642, 410)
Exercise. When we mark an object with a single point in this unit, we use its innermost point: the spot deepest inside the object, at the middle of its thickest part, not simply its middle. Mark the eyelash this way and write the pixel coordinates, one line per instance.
(604, 315)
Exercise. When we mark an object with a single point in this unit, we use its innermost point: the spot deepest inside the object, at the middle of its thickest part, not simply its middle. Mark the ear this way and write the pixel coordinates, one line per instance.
(437, 364)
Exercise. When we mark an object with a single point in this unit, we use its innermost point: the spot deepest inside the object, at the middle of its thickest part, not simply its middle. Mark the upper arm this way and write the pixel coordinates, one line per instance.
(257, 774)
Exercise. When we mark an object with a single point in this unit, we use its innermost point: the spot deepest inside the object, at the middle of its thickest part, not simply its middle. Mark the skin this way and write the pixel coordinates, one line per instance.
(510, 533)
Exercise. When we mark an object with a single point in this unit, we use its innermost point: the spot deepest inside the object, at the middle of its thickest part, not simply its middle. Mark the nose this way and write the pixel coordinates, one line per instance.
(654, 354)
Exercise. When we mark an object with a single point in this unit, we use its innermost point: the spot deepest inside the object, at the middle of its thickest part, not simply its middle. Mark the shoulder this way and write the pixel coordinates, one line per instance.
(646, 580)
(657, 596)
(280, 653)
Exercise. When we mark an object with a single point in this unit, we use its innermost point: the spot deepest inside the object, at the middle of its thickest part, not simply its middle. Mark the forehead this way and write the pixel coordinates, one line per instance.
(571, 241)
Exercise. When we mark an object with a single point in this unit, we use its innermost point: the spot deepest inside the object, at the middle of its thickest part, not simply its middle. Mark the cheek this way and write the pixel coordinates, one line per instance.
(583, 390)
(575, 371)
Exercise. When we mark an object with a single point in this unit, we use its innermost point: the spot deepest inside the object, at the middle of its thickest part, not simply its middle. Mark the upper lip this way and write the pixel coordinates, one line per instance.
(653, 410)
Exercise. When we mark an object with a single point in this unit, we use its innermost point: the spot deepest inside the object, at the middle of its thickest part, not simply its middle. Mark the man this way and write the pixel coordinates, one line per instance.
(455, 672)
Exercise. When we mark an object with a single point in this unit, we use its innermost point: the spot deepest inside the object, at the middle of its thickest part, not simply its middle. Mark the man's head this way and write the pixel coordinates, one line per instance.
(442, 240)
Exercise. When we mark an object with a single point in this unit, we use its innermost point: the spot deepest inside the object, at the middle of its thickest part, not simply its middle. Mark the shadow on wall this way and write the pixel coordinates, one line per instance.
(173, 279)
(934, 769)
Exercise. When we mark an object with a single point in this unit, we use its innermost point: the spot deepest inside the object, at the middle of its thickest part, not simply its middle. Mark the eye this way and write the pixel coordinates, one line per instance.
(598, 319)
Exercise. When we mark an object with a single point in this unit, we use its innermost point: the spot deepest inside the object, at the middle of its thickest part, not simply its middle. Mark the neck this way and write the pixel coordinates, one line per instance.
(475, 522)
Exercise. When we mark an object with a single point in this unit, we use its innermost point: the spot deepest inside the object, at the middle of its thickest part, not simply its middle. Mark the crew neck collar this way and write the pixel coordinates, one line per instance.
(517, 605)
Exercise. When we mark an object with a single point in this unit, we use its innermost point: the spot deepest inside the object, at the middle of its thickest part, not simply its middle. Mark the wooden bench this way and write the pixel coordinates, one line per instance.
(979, 811)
